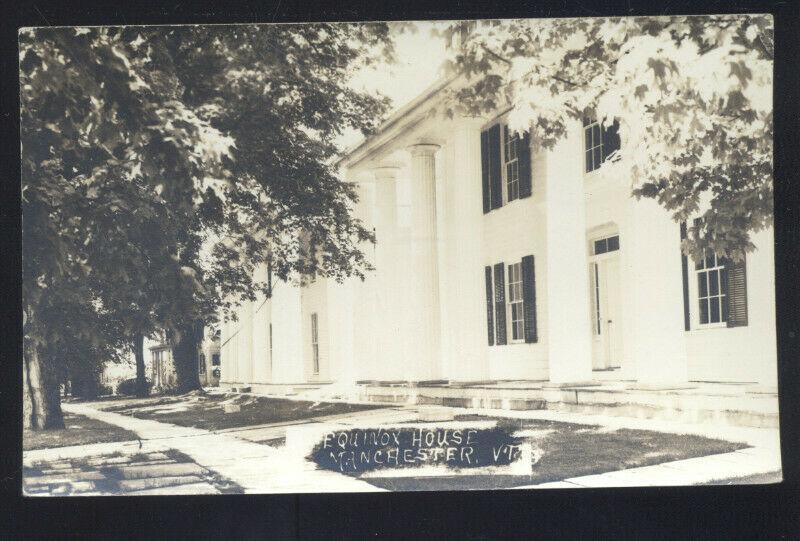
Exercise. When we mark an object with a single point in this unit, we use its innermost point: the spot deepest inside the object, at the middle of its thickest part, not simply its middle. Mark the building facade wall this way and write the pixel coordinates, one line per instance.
(362, 325)
(511, 232)
(740, 354)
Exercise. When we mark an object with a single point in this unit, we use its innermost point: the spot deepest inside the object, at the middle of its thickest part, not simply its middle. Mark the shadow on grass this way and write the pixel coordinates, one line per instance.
(79, 430)
(571, 450)
(208, 411)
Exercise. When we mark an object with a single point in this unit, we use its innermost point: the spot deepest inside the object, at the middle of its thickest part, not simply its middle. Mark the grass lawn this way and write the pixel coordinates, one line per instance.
(206, 411)
(79, 430)
(572, 451)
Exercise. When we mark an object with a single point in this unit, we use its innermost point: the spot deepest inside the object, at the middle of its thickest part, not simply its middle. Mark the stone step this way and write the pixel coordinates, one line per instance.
(690, 407)
(58, 489)
(159, 470)
(66, 477)
(129, 485)
(180, 490)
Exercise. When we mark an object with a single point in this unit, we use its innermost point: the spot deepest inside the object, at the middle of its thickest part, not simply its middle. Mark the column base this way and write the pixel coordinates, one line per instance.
(644, 386)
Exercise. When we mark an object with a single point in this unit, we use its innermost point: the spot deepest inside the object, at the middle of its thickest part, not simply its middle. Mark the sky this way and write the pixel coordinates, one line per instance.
(419, 56)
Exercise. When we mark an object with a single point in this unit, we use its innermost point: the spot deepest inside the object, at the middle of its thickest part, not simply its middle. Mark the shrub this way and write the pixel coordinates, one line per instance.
(128, 386)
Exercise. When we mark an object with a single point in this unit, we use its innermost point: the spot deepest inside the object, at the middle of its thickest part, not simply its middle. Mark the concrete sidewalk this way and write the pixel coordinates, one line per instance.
(257, 468)
(260, 468)
(762, 457)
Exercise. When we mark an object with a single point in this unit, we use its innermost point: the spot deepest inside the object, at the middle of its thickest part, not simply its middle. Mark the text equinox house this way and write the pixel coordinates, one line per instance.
(499, 260)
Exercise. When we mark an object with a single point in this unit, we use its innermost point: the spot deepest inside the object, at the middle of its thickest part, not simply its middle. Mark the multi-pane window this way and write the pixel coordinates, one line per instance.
(599, 142)
(315, 342)
(712, 289)
(511, 163)
(596, 278)
(215, 359)
(515, 301)
(610, 244)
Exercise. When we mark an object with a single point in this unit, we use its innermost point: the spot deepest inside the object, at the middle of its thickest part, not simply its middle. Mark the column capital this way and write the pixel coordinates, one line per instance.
(386, 172)
(422, 149)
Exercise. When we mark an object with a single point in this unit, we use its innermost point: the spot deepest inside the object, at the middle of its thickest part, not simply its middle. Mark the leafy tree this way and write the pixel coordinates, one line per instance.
(162, 165)
(692, 96)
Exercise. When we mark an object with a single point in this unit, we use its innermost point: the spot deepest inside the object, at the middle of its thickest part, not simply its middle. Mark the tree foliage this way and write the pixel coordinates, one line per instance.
(692, 95)
(161, 165)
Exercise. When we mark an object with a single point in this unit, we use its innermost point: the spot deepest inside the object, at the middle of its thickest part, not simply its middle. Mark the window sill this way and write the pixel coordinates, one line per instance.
(709, 327)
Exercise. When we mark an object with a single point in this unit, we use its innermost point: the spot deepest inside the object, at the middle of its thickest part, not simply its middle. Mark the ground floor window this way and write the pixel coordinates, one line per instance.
(712, 289)
(515, 302)
(514, 307)
(315, 342)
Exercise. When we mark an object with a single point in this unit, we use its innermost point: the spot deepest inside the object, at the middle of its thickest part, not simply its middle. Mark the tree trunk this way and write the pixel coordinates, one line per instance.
(27, 400)
(185, 345)
(142, 389)
(43, 392)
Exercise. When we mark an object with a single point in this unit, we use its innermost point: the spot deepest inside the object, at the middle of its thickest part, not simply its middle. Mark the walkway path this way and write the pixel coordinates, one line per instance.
(257, 468)
(260, 468)
(761, 458)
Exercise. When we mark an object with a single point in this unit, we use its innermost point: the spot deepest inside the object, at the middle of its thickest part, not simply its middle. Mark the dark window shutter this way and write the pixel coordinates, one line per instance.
(487, 202)
(737, 293)
(529, 299)
(500, 303)
(524, 155)
(685, 277)
(495, 167)
(489, 305)
(611, 140)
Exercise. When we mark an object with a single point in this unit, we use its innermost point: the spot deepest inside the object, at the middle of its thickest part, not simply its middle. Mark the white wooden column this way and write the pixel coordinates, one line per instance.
(287, 331)
(425, 351)
(568, 306)
(655, 343)
(364, 363)
(245, 343)
(388, 327)
(462, 289)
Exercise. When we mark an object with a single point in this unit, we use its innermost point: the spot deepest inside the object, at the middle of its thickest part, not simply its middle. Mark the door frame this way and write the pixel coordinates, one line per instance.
(596, 270)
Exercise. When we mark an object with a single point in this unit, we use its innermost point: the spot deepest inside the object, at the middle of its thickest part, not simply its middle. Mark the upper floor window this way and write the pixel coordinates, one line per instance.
(599, 142)
(511, 162)
(505, 166)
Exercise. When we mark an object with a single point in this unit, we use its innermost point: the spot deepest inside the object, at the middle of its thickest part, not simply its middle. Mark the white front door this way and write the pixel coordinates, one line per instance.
(606, 316)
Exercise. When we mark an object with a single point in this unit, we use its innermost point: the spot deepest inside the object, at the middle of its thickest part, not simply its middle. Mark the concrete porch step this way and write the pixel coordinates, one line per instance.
(697, 404)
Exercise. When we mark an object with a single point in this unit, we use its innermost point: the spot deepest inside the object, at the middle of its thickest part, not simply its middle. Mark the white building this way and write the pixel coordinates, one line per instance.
(498, 260)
